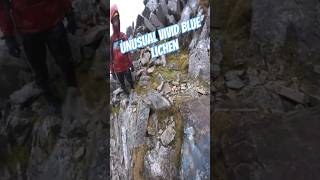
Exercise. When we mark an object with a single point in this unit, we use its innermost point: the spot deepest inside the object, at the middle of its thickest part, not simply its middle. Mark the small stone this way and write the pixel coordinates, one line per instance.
(79, 153)
(166, 88)
(145, 57)
(158, 102)
(316, 69)
(231, 75)
(235, 84)
(168, 136)
(292, 94)
(176, 83)
(144, 81)
(25, 93)
(124, 102)
(117, 91)
(159, 88)
(151, 70)
(200, 90)
(160, 131)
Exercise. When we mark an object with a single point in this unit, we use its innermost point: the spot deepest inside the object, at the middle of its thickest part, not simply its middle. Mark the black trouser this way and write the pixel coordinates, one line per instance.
(35, 48)
(121, 77)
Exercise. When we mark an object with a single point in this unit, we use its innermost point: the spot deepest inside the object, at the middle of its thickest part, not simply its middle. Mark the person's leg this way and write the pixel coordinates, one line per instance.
(58, 44)
(120, 76)
(129, 78)
(35, 50)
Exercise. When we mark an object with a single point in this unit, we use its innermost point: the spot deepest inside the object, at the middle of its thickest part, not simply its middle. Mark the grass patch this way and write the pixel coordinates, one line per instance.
(138, 162)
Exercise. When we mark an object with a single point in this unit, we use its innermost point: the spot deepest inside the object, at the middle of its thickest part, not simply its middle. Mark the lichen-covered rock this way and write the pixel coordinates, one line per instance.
(199, 61)
(157, 163)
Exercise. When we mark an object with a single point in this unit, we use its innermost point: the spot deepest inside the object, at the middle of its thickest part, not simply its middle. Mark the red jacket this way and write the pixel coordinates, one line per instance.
(32, 15)
(120, 62)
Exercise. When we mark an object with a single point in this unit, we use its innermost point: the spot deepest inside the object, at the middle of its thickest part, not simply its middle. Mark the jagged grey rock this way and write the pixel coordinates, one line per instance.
(253, 135)
(292, 94)
(146, 12)
(158, 164)
(196, 142)
(155, 21)
(145, 58)
(144, 80)
(140, 21)
(235, 83)
(168, 135)
(27, 92)
(171, 19)
(270, 25)
(152, 5)
(199, 62)
(158, 101)
(149, 25)
(162, 12)
(174, 6)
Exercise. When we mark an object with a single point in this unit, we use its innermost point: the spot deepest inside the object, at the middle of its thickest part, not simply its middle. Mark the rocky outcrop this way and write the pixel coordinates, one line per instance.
(196, 142)
(270, 146)
(280, 22)
(265, 90)
(43, 146)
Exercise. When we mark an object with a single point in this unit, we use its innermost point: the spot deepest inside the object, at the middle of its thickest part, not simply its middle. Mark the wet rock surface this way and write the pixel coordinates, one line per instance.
(196, 143)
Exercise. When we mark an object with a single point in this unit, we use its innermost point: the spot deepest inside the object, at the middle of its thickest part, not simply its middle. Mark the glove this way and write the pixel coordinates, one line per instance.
(13, 46)
(72, 25)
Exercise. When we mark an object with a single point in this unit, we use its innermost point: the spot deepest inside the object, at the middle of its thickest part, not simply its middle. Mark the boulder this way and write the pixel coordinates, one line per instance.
(26, 93)
(152, 5)
(155, 21)
(261, 146)
(277, 22)
(196, 142)
(148, 24)
(158, 102)
(146, 12)
(199, 61)
(235, 83)
(157, 163)
(174, 6)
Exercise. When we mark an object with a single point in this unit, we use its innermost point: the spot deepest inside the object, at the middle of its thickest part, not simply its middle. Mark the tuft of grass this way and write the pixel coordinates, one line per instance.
(138, 162)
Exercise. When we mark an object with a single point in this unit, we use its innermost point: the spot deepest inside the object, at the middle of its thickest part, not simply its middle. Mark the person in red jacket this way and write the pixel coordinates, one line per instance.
(39, 24)
(121, 64)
